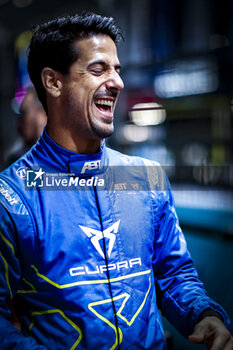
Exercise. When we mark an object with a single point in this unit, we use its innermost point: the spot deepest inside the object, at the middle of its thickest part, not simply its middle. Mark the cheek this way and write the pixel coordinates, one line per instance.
(82, 92)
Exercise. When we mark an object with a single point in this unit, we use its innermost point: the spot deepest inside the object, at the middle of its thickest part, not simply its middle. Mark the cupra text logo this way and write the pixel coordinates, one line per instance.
(95, 236)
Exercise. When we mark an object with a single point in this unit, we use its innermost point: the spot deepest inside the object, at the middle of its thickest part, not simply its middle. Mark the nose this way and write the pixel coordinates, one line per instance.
(115, 82)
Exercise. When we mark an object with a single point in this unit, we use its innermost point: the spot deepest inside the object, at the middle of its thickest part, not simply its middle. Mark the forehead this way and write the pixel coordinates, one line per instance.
(97, 47)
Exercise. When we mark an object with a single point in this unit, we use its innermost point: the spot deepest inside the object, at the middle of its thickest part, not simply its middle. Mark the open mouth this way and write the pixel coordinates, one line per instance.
(104, 105)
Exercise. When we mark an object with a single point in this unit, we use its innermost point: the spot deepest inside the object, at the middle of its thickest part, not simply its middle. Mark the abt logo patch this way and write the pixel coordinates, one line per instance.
(95, 236)
(35, 178)
(94, 165)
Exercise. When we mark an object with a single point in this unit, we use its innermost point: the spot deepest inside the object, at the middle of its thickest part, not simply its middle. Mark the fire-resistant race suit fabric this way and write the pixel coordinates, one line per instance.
(90, 250)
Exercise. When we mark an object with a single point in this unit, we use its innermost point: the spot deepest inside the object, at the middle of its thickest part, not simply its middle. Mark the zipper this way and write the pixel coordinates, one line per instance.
(106, 263)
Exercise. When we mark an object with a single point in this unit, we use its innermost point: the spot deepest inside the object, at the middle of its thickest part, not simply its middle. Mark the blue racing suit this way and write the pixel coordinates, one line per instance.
(90, 251)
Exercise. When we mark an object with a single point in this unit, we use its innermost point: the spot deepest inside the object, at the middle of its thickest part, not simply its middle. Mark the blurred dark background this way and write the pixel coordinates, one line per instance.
(176, 108)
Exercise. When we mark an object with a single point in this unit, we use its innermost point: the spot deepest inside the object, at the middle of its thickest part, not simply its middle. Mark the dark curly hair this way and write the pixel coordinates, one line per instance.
(52, 44)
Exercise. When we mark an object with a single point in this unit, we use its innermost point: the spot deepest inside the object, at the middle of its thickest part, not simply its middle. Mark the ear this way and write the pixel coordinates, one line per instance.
(52, 82)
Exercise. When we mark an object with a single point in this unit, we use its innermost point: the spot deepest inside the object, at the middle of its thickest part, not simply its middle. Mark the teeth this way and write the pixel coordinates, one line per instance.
(105, 102)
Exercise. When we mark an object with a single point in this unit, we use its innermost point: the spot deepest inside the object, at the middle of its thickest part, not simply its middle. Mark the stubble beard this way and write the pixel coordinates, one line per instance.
(103, 132)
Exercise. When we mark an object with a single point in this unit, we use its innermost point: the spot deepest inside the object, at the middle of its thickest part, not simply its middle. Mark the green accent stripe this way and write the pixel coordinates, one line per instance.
(46, 312)
(129, 323)
(69, 285)
(32, 290)
(7, 274)
(7, 242)
(104, 319)
(126, 297)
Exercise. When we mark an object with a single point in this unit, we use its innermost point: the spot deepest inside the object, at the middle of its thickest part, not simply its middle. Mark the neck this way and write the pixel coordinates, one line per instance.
(74, 143)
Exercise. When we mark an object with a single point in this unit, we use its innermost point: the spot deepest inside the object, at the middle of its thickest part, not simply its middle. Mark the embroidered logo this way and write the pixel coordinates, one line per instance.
(22, 172)
(94, 165)
(96, 235)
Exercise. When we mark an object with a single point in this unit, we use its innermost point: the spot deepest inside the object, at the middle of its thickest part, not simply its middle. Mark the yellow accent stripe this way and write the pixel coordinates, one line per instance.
(110, 300)
(68, 285)
(7, 274)
(67, 320)
(106, 320)
(129, 323)
(33, 289)
(7, 242)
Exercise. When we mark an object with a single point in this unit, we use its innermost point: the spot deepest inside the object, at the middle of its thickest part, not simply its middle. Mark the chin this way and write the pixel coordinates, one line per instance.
(104, 132)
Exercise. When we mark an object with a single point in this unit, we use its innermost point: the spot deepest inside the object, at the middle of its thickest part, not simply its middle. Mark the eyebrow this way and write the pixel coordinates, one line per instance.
(103, 63)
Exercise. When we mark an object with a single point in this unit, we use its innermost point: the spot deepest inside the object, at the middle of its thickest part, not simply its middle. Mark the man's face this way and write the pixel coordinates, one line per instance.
(91, 89)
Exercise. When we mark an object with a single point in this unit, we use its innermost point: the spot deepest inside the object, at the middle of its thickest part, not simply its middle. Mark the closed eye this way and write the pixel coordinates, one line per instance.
(97, 71)
(98, 68)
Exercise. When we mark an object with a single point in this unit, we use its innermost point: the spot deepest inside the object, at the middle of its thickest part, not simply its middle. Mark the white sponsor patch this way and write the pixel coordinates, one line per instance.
(5, 193)
(94, 165)
(22, 172)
